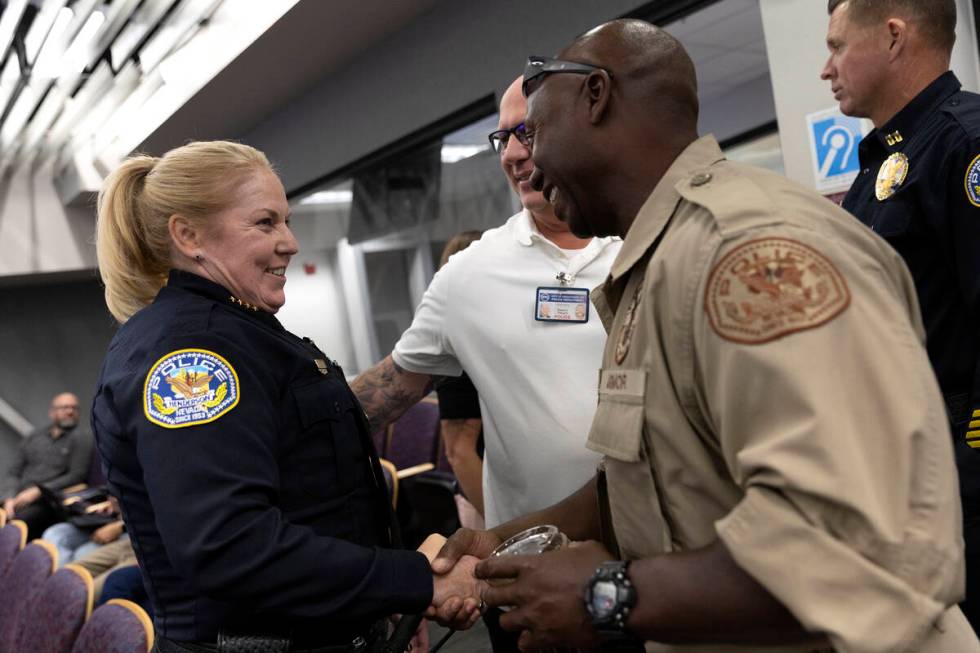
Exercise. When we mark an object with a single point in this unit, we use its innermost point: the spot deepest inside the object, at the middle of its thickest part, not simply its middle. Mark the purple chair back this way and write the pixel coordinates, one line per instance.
(119, 626)
(414, 438)
(23, 581)
(13, 536)
(95, 477)
(57, 613)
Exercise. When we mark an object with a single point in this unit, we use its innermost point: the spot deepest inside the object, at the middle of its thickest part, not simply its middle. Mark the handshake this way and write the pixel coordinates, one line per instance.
(457, 594)
(544, 592)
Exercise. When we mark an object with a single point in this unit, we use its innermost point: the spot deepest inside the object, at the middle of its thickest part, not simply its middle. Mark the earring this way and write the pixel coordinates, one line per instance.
(198, 257)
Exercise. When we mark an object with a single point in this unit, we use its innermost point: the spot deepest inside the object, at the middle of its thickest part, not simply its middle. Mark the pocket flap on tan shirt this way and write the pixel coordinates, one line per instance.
(617, 429)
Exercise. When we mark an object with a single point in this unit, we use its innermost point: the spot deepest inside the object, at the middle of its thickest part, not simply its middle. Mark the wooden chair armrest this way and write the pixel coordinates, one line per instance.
(415, 470)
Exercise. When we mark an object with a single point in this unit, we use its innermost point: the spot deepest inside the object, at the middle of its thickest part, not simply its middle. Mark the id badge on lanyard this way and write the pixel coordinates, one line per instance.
(561, 304)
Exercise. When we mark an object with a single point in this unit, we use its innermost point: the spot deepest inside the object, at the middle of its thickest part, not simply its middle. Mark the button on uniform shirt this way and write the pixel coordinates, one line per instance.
(929, 210)
(55, 462)
(764, 383)
(537, 380)
(246, 476)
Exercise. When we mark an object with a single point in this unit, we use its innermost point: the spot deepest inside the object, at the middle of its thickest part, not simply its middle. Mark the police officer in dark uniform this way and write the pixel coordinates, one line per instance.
(241, 459)
(919, 188)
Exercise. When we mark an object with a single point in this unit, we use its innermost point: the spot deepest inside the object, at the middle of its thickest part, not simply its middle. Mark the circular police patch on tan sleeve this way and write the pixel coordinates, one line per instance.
(771, 287)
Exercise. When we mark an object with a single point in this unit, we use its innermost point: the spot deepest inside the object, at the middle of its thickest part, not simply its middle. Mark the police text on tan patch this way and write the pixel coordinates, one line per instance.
(772, 287)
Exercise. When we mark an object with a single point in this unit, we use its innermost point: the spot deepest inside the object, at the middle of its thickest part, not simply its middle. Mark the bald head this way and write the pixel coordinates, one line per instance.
(650, 66)
(512, 101)
(605, 133)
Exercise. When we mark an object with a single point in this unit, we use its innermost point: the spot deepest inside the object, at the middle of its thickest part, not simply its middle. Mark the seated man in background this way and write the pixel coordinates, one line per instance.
(57, 455)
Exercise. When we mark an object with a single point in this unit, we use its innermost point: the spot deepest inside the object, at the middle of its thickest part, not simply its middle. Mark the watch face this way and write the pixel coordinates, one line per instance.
(603, 599)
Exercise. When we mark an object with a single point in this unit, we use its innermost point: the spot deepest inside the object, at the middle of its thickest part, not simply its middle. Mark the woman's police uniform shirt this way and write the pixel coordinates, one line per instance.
(246, 476)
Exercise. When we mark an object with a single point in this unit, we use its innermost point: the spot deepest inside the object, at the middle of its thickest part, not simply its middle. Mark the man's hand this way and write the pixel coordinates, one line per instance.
(546, 594)
(108, 533)
(456, 595)
(27, 497)
(9, 507)
(464, 542)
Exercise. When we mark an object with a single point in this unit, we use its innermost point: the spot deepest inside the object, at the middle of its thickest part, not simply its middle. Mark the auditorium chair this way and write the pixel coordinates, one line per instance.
(413, 439)
(57, 613)
(23, 580)
(13, 536)
(391, 480)
(119, 626)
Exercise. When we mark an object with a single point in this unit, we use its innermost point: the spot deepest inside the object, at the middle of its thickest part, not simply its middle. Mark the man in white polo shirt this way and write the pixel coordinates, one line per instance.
(513, 311)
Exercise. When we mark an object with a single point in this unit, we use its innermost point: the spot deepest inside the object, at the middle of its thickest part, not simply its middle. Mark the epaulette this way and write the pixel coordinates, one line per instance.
(733, 196)
(191, 317)
(964, 107)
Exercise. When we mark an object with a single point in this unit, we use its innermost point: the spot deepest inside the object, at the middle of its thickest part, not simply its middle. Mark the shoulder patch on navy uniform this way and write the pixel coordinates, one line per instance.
(973, 182)
(771, 287)
(189, 387)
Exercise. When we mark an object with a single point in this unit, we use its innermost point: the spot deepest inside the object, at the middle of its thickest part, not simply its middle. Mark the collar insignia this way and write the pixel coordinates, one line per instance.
(238, 302)
(321, 366)
(891, 176)
(894, 138)
(626, 331)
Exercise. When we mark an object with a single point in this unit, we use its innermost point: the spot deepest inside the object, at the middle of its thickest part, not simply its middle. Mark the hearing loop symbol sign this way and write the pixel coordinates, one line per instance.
(834, 140)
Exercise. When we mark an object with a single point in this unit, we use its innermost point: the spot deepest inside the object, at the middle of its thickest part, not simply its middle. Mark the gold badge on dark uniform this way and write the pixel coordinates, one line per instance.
(626, 331)
(321, 366)
(891, 176)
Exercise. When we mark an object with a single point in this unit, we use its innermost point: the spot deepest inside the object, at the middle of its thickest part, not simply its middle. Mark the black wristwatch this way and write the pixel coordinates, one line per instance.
(609, 599)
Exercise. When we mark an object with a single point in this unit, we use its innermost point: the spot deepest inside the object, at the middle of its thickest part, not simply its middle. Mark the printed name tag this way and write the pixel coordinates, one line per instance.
(561, 305)
(629, 383)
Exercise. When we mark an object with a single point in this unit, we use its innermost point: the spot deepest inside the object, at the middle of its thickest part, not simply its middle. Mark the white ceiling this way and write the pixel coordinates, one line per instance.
(251, 58)
(311, 41)
(725, 40)
(727, 44)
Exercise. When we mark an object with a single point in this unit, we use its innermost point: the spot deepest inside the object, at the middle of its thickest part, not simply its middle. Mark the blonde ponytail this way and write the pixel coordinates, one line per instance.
(133, 241)
(130, 270)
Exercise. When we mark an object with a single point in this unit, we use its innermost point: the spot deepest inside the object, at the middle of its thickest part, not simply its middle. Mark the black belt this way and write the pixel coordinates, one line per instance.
(249, 643)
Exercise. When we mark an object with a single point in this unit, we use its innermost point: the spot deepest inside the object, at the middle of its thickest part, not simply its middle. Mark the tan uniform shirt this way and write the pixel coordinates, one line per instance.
(764, 382)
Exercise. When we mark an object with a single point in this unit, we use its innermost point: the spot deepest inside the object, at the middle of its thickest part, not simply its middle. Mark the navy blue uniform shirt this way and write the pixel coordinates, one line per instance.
(246, 479)
(933, 220)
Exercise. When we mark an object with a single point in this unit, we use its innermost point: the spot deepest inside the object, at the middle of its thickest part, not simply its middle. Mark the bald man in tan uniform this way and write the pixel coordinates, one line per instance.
(777, 459)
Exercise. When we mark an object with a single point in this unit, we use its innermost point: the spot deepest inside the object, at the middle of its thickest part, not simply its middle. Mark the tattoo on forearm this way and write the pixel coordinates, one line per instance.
(386, 391)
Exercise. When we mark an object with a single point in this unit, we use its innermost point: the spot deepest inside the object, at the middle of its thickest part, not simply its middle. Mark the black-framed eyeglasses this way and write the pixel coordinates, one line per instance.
(538, 67)
(500, 138)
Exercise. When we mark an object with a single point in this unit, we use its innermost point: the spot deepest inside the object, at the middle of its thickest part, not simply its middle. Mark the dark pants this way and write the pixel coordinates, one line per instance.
(501, 641)
(38, 516)
(971, 604)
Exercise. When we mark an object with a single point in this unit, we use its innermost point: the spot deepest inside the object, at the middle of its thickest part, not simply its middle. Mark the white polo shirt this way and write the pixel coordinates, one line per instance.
(537, 380)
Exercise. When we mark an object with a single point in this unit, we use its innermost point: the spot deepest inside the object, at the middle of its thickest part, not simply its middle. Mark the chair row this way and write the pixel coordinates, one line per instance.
(48, 611)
